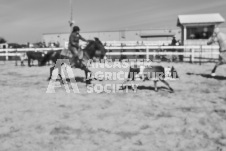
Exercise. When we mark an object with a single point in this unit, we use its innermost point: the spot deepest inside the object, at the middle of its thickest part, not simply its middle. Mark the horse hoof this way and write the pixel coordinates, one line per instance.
(213, 74)
(122, 88)
(88, 82)
(99, 78)
(171, 90)
(90, 85)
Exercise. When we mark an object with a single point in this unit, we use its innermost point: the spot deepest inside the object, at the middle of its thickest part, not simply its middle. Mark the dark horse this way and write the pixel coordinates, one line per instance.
(93, 48)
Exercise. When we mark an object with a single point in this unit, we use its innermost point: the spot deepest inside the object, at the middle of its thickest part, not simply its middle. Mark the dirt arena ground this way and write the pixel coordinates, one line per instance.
(193, 118)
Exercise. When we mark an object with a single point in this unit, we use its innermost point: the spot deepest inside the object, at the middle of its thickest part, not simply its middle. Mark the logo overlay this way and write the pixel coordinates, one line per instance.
(139, 70)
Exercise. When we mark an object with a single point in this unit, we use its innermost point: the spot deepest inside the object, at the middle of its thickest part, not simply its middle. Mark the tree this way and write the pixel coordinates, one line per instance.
(2, 40)
(14, 45)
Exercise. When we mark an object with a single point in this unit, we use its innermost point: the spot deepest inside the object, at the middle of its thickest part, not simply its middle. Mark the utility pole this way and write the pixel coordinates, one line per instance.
(71, 21)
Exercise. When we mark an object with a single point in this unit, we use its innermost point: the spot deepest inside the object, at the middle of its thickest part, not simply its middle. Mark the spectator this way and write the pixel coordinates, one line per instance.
(174, 41)
(192, 36)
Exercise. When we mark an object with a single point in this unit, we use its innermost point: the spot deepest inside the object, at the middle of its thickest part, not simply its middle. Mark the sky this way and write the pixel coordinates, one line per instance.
(25, 21)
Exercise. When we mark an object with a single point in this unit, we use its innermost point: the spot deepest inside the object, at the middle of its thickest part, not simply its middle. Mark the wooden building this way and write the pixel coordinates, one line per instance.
(196, 30)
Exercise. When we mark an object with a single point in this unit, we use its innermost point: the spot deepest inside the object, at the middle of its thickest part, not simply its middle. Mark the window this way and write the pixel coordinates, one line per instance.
(200, 32)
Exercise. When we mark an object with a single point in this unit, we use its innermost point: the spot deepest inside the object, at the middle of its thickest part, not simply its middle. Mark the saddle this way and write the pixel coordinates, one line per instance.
(67, 53)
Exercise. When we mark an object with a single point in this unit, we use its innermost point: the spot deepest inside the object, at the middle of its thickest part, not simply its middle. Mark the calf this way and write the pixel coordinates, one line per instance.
(155, 73)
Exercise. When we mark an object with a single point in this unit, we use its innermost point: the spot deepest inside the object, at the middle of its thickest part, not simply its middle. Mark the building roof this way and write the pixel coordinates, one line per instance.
(199, 19)
(154, 35)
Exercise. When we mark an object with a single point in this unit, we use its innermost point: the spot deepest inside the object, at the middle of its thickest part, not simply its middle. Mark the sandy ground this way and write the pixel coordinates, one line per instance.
(191, 119)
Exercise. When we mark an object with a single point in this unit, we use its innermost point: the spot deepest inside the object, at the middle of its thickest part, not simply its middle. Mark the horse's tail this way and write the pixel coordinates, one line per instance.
(46, 58)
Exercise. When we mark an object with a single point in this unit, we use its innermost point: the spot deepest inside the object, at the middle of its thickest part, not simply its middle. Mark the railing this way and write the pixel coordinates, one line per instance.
(17, 52)
(188, 51)
(136, 43)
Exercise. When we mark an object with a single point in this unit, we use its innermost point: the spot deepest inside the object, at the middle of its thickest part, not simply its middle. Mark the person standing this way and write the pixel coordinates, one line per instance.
(174, 41)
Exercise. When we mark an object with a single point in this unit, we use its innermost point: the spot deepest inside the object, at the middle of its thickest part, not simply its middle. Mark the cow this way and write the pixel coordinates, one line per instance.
(32, 55)
(155, 73)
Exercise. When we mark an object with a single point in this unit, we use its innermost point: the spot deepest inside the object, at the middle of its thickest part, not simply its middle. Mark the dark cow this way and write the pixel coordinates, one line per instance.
(32, 55)
(155, 73)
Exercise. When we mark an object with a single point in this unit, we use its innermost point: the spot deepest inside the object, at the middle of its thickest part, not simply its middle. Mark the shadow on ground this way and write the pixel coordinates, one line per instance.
(77, 79)
(208, 76)
(147, 88)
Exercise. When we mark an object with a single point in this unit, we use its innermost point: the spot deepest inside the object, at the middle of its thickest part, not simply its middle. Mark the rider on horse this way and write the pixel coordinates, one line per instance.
(220, 38)
(75, 52)
(74, 55)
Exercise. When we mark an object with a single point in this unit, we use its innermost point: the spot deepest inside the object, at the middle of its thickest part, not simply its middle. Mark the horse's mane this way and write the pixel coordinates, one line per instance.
(93, 41)
(89, 44)
(87, 49)
(98, 40)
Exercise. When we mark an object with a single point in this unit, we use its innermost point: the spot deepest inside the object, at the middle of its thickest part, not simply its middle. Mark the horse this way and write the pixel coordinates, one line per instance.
(93, 49)
(155, 73)
(32, 55)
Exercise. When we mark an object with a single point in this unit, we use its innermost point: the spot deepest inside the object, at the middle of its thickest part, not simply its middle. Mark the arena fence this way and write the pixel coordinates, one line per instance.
(189, 52)
(19, 51)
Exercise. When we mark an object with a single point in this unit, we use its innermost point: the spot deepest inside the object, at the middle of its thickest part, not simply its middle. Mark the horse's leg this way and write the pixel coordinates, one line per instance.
(51, 72)
(167, 84)
(87, 80)
(215, 67)
(59, 74)
(78, 63)
(88, 72)
(61, 79)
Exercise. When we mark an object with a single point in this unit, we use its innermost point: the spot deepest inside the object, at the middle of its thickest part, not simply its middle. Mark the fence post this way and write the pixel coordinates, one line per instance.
(147, 54)
(200, 55)
(16, 57)
(6, 55)
(121, 51)
(211, 52)
(192, 57)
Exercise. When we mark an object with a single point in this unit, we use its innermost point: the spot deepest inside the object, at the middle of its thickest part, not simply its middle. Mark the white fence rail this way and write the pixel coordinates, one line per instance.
(192, 52)
(17, 52)
(165, 47)
(137, 43)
